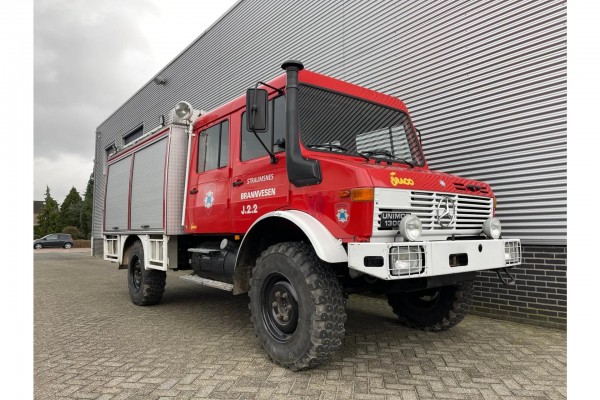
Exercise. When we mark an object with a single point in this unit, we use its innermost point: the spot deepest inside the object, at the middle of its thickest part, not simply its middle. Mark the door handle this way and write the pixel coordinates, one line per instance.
(237, 183)
(194, 191)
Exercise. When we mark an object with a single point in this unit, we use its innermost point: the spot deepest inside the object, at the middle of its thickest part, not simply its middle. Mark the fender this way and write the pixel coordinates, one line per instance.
(168, 243)
(327, 247)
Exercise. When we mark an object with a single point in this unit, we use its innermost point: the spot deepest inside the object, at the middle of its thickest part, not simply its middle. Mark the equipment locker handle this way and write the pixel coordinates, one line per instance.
(194, 191)
(239, 182)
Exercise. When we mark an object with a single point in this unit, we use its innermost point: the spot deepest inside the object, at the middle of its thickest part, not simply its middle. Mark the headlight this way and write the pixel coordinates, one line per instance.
(492, 228)
(411, 228)
(406, 260)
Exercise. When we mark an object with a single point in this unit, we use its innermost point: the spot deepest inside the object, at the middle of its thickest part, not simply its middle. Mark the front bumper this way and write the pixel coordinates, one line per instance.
(405, 260)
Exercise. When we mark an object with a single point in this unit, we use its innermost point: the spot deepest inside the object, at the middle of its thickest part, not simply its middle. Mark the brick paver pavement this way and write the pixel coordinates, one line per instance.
(91, 342)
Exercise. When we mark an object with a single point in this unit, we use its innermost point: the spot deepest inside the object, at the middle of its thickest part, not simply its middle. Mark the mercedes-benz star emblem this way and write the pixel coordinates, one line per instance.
(446, 211)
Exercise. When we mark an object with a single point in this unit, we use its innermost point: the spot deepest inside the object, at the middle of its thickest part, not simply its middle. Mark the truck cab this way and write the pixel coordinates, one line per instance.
(358, 169)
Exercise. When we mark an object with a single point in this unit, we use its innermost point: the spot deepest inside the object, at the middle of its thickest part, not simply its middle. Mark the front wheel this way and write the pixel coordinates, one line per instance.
(435, 309)
(146, 286)
(296, 306)
(37, 246)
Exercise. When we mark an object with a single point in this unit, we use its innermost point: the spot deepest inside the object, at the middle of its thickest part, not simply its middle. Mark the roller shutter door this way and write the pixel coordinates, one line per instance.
(117, 193)
(147, 187)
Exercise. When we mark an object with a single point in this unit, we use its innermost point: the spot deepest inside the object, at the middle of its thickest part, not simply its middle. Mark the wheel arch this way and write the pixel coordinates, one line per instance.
(125, 246)
(278, 227)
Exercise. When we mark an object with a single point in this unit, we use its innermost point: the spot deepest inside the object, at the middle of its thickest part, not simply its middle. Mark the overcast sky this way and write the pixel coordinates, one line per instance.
(90, 56)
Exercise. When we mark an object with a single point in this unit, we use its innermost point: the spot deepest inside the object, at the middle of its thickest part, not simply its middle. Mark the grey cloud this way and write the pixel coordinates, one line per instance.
(89, 57)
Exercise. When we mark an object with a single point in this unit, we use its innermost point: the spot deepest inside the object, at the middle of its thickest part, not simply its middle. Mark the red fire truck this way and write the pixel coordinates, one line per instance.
(303, 191)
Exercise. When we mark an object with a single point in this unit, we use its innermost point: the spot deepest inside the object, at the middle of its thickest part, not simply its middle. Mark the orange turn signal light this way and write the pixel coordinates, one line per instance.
(344, 194)
(366, 194)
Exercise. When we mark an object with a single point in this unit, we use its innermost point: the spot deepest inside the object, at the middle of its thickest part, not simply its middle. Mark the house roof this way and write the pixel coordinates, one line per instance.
(37, 206)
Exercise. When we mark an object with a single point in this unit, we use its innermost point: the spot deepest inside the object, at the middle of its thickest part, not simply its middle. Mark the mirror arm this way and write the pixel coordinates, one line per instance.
(280, 91)
(273, 158)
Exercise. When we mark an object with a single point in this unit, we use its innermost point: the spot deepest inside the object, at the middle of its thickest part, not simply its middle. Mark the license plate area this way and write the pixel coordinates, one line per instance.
(390, 220)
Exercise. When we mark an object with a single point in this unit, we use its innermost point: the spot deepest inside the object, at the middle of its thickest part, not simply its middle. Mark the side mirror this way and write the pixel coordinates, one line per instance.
(256, 109)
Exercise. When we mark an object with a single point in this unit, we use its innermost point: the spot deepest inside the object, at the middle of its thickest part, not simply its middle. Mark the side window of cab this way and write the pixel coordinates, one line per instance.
(213, 147)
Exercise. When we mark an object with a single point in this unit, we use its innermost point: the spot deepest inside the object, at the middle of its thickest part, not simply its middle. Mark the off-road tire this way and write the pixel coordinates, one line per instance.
(318, 303)
(450, 304)
(146, 287)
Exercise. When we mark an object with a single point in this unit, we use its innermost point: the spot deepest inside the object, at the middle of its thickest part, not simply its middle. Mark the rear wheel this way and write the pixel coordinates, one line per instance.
(146, 286)
(68, 245)
(296, 306)
(434, 309)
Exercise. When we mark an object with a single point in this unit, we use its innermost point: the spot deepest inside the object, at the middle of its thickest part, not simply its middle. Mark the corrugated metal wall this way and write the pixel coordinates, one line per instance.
(485, 82)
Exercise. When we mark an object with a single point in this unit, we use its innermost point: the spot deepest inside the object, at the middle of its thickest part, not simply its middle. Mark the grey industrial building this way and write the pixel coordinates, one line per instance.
(485, 82)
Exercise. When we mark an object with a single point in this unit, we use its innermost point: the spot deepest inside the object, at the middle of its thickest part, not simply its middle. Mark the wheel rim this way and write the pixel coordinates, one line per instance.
(67, 246)
(135, 273)
(279, 307)
(38, 246)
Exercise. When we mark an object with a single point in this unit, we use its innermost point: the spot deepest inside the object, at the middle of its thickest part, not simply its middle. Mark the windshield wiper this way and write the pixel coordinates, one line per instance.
(329, 146)
(387, 153)
(380, 152)
(332, 146)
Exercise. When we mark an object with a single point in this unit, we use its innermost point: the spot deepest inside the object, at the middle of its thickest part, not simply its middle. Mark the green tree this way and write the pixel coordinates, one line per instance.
(49, 216)
(70, 209)
(85, 216)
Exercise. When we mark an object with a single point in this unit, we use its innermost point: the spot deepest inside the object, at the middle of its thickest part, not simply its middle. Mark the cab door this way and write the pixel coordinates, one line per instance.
(208, 184)
(258, 185)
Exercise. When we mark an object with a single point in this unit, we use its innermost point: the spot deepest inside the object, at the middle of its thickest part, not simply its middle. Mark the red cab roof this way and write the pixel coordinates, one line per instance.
(311, 78)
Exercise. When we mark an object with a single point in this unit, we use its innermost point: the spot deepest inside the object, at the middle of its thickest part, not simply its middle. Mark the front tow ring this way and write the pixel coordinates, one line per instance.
(510, 281)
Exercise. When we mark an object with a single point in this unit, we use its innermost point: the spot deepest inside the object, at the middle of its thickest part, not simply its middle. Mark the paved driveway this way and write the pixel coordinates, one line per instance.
(91, 342)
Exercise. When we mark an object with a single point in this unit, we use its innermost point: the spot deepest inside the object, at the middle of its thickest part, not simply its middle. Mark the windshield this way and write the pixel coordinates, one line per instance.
(335, 122)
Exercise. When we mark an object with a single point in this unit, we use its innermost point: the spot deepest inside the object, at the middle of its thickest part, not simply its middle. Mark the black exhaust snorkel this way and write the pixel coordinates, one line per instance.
(301, 171)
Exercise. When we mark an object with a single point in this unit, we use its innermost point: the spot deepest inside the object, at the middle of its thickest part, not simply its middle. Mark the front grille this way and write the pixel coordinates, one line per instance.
(471, 211)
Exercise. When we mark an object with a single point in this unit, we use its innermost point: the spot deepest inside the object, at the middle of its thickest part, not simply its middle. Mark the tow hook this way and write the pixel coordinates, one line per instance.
(510, 281)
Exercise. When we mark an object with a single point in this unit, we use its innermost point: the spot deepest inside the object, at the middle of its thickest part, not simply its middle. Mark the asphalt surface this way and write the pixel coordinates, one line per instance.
(91, 342)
